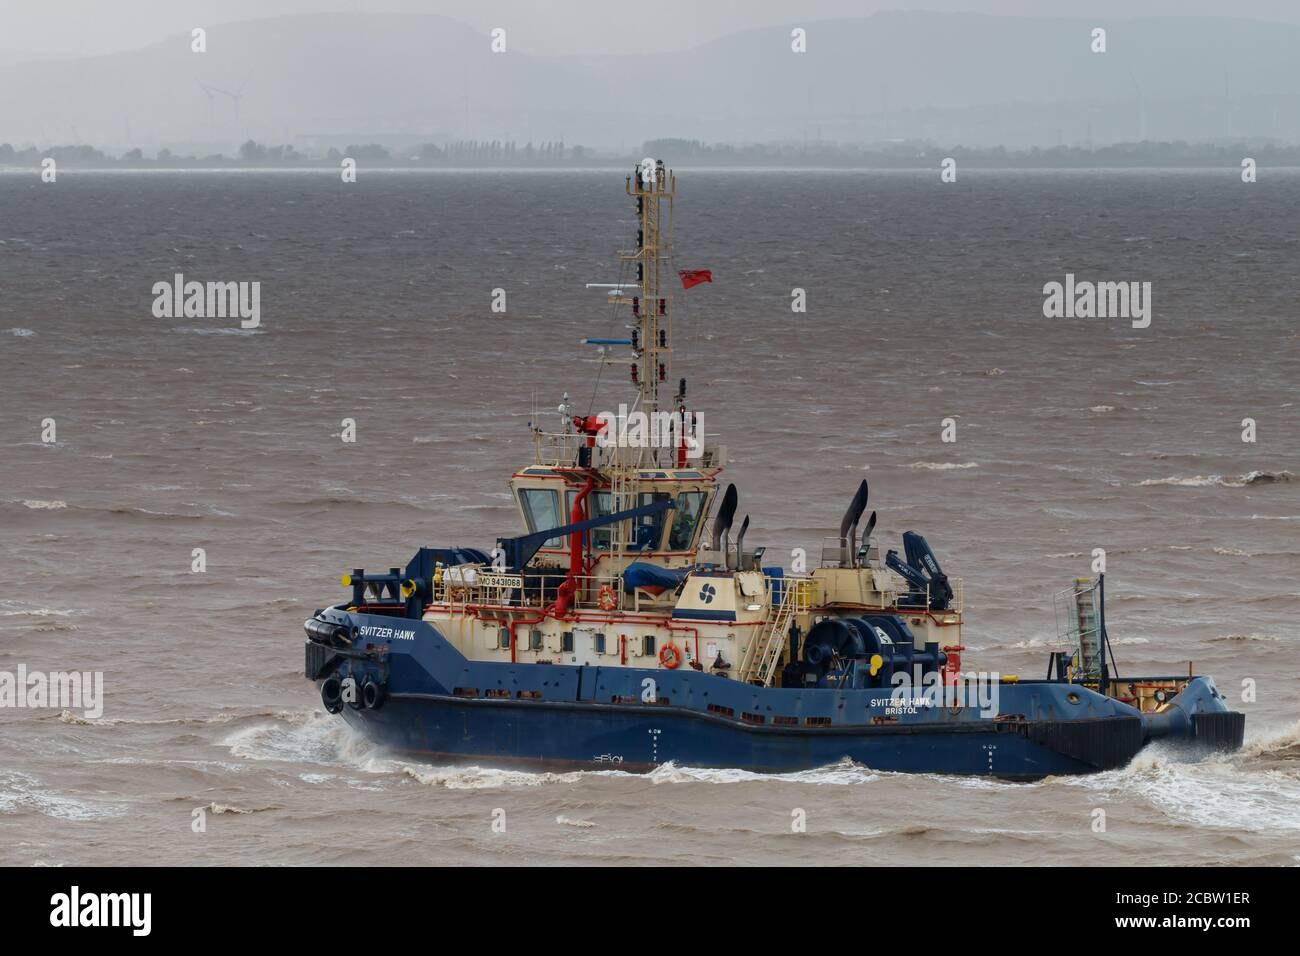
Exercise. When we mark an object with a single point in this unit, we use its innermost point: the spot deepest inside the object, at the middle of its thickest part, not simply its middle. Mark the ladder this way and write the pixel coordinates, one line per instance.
(1079, 623)
(759, 664)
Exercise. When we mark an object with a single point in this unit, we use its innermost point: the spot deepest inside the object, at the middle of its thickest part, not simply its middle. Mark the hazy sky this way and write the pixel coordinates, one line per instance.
(43, 27)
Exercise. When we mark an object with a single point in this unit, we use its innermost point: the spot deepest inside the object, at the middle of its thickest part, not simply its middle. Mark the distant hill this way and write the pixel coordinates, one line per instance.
(946, 77)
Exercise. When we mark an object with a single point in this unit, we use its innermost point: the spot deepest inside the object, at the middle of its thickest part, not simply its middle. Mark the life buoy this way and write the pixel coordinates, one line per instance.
(606, 598)
(670, 656)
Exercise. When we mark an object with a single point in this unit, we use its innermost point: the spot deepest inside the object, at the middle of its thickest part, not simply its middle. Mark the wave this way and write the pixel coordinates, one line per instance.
(330, 502)
(1210, 481)
(221, 808)
(21, 791)
(943, 465)
(842, 773)
(1254, 790)
(199, 330)
(308, 736)
(1114, 551)
(21, 609)
(287, 716)
(1266, 477)
(316, 737)
(126, 511)
(1037, 643)
(480, 778)
(1281, 744)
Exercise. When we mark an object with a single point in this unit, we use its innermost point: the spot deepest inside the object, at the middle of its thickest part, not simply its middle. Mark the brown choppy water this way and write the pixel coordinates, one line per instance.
(924, 303)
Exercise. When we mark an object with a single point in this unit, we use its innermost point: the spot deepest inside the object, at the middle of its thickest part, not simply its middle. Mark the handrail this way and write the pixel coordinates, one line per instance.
(560, 450)
(539, 590)
(798, 595)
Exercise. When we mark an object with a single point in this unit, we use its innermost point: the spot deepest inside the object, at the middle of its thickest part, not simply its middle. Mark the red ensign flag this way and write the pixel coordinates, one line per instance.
(692, 277)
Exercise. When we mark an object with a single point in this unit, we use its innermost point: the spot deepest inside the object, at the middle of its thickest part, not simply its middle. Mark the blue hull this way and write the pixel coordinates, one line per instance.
(437, 704)
(592, 736)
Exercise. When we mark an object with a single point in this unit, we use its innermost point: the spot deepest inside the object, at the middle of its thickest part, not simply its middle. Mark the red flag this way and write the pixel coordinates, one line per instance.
(692, 277)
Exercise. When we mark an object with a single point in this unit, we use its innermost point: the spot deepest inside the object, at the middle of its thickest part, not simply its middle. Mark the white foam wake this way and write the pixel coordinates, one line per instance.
(1244, 791)
(1220, 481)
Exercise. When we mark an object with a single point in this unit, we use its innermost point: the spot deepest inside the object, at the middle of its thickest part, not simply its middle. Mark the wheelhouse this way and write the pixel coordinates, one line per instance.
(547, 496)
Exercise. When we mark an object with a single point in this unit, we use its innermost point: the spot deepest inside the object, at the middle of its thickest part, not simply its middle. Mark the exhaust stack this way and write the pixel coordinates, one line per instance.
(740, 545)
(722, 522)
(849, 527)
(865, 550)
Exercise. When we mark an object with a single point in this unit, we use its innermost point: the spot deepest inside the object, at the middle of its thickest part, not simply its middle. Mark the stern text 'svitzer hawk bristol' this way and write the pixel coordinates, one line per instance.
(628, 628)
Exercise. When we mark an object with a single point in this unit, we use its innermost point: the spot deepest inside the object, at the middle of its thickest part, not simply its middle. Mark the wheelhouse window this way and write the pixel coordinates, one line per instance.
(686, 520)
(648, 530)
(541, 508)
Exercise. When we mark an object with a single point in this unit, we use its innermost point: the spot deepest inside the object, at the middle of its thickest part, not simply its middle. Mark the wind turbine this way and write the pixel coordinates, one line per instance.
(212, 106)
(235, 98)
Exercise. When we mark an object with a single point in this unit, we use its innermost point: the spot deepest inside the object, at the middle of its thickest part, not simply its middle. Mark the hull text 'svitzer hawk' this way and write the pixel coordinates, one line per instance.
(627, 628)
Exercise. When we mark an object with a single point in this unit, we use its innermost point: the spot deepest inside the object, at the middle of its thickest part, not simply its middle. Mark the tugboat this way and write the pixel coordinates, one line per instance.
(626, 628)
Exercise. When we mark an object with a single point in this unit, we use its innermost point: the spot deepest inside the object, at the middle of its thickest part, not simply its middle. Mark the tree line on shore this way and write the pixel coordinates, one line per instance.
(251, 152)
(680, 152)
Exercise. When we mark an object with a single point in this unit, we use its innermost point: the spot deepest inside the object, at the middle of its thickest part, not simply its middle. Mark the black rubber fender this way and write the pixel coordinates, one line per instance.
(331, 694)
(373, 694)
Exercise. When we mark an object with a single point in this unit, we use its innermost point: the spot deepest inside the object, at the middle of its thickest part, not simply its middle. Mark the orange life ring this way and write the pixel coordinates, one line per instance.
(670, 656)
(606, 599)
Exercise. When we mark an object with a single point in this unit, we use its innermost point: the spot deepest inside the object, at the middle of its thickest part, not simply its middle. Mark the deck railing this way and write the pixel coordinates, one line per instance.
(475, 586)
(560, 450)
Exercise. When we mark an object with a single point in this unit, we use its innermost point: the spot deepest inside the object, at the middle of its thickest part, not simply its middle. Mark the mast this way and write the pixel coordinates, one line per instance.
(653, 187)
